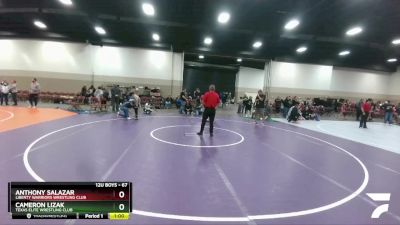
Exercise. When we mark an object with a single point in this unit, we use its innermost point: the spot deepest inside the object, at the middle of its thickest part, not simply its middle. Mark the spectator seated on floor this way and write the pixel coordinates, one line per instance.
(147, 109)
(168, 102)
(294, 113)
(309, 113)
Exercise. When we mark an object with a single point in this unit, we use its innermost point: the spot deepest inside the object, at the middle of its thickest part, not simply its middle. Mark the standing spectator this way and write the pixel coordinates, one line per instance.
(287, 103)
(358, 109)
(4, 91)
(268, 110)
(295, 101)
(34, 93)
(278, 103)
(137, 102)
(366, 112)
(189, 106)
(388, 108)
(197, 94)
(183, 100)
(210, 102)
(197, 97)
(84, 91)
(91, 91)
(248, 104)
(99, 93)
(241, 104)
(223, 98)
(260, 106)
(115, 97)
(14, 91)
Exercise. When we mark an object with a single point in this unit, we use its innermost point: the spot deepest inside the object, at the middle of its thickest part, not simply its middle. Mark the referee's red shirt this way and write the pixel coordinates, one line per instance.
(211, 99)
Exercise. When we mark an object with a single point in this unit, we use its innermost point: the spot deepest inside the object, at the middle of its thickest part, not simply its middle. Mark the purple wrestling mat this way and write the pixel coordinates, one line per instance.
(272, 173)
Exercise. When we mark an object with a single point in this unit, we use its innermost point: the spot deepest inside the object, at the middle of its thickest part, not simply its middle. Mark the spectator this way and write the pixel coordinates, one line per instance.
(189, 106)
(90, 92)
(366, 112)
(278, 104)
(287, 103)
(223, 98)
(136, 103)
(294, 113)
(307, 112)
(197, 94)
(106, 95)
(98, 93)
(84, 91)
(4, 91)
(14, 91)
(147, 108)
(115, 97)
(388, 109)
(168, 102)
(260, 106)
(248, 104)
(182, 99)
(146, 91)
(34, 93)
(295, 101)
(358, 110)
(198, 108)
(268, 110)
(398, 108)
(241, 104)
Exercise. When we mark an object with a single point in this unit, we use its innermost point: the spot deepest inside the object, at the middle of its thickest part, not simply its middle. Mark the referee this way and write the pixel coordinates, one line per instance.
(210, 102)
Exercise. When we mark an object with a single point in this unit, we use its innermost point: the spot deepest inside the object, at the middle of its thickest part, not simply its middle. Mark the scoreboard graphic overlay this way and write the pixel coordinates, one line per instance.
(70, 200)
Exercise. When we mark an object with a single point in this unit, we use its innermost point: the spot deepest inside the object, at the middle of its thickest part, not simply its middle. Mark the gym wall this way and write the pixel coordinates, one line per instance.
(66, 67)
(309, 80)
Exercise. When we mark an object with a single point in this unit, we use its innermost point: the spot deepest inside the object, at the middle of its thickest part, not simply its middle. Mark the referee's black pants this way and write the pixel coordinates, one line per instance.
(208, 113)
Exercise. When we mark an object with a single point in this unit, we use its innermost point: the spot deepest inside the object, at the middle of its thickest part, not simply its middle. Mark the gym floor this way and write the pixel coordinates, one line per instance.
(270, 173)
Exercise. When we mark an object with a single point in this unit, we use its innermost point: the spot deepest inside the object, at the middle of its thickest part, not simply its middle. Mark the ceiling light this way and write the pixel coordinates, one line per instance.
(257, 44)
(201, 56)
(392, 60)
(66, 2)
(156, 37)
(239, 60)
(353, 31)
(292, 24)
(224, 17)
(208, 41)
(40, 24)
(100, 30)
(148, 9)
(396, 41)
(345, 52)
(301, 49)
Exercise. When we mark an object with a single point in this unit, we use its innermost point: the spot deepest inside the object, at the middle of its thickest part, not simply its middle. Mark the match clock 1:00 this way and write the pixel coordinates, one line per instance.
(118, 216)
